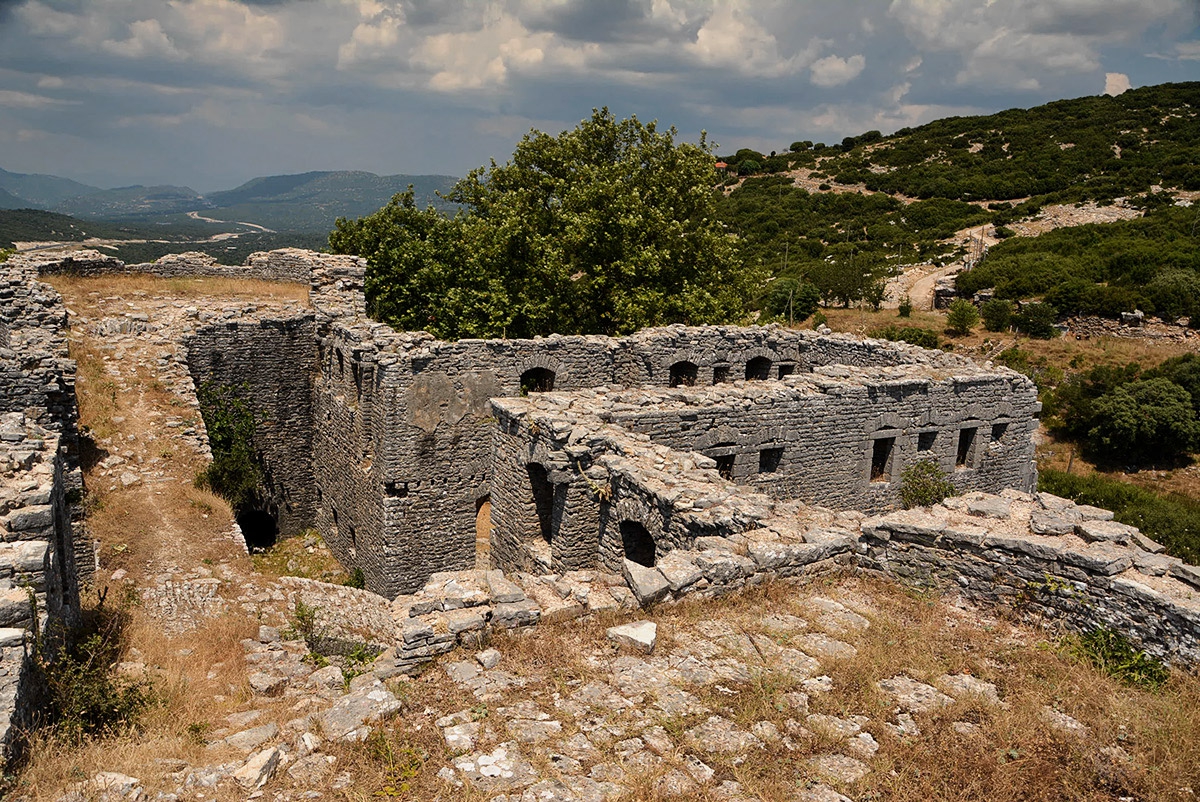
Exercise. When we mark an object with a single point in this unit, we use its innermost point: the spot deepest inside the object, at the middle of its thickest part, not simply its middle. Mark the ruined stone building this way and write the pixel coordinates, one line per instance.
(399, 447)
(598, 473)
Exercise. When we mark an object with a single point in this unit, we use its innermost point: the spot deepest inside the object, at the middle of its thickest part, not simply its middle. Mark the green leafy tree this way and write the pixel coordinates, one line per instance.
(791, 300)
(997, 314)
(962, 317)
(606, 229)
(1037, 320)
(1149, 420)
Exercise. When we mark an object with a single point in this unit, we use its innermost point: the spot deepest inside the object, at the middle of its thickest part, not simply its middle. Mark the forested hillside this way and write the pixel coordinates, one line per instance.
(888, 201)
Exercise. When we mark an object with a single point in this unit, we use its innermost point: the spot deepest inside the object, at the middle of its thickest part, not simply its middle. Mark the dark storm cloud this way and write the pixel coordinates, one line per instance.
(211, 92)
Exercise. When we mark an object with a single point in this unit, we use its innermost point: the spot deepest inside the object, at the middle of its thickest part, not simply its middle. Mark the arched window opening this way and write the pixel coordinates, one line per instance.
(758, 369)
(537, 380)
(683, 374)
(543, 498)
(638, 543)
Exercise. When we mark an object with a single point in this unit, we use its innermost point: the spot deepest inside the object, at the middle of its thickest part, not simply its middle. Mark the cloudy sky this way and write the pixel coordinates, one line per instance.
(210, 93)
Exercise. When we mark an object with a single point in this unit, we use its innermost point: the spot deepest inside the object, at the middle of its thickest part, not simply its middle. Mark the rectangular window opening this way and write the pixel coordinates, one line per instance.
(725, 466)
(720, 374)
(998, 430)
(966, 441)
(881, 458)
(769, 459)
(786, 370)
(925, 441)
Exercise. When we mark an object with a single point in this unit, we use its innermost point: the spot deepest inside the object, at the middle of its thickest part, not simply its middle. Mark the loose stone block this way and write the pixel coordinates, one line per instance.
(641, 636)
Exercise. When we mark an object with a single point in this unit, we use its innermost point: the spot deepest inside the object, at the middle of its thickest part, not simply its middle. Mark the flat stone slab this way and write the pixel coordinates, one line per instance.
(640, 636)
(647, 584)
(839, 768)
(958, 685)
(347, 720)
(913, 696)
(718, 734)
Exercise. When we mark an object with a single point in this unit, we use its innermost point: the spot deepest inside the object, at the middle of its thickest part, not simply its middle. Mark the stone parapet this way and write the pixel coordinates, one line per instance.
(1047, 558)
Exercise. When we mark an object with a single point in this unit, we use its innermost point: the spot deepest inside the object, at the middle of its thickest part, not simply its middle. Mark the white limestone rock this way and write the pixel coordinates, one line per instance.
(640, 636)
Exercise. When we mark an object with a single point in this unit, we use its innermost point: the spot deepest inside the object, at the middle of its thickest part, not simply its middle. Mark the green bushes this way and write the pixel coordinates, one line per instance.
(926, 338)
(235, 472)
(84, 695)
(1123, 416)
(962, 317)
(924, 484)
(1172, 520)
(1037, 320)
(997, 314)
(1145, 421)
(1112, 654)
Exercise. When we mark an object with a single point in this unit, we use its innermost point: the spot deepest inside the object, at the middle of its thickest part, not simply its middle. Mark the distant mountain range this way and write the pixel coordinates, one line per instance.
(306, 202)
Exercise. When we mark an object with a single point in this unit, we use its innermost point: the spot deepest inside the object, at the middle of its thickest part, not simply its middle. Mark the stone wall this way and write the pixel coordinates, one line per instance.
(1049, 559)
(270, 363)
(403, 450)
(291, 265)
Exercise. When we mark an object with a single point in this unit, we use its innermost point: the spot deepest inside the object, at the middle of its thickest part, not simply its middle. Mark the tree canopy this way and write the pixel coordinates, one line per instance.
(606, 229)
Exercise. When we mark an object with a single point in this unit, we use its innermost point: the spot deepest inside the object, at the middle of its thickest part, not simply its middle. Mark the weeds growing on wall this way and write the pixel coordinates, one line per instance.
(84, 694)
(235, 472)
(923, 484)
(1113, 654)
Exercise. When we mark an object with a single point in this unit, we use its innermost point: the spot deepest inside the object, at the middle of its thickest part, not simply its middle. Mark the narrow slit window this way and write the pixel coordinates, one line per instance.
(881, 458)
(769, 459)
(925, 441)
(966, 442)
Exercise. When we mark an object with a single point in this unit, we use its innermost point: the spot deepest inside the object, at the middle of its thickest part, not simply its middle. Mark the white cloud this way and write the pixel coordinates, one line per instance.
(146, 38)
(835, 70)
(24, 100)
(1115, 83)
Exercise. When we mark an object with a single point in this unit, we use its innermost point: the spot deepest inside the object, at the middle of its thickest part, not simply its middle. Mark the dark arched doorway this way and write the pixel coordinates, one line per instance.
(543, 498)
(683, 374)
(537, 380)
(638, 543)
(758, 368)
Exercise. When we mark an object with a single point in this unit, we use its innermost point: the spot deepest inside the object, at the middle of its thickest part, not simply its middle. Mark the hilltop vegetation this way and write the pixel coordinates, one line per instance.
(965, 171)
(1152, 263)
(1095, 148)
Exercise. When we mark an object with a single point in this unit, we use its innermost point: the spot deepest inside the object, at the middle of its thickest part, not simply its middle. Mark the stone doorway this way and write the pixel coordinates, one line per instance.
(483, 533)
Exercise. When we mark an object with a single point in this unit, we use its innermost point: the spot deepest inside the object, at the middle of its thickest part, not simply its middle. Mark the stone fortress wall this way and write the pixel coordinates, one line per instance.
(43, 557)
(677, 461)
(404, 453)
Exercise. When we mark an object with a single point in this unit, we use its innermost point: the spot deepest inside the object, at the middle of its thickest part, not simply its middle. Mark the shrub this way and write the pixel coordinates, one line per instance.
(997, 314)
(1111, 653)
(791, 300)
(963, 316)
(926, 338)
(819, 320)
(924, 484)
(1148, 420)
(905, 308)
(1037, 320)
(84, 695)
(235, 472)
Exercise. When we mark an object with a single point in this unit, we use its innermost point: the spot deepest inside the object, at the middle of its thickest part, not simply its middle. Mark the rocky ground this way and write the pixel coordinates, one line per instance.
(841, 688)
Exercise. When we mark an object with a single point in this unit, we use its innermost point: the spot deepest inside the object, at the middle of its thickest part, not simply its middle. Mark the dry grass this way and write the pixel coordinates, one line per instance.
(83, 294)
